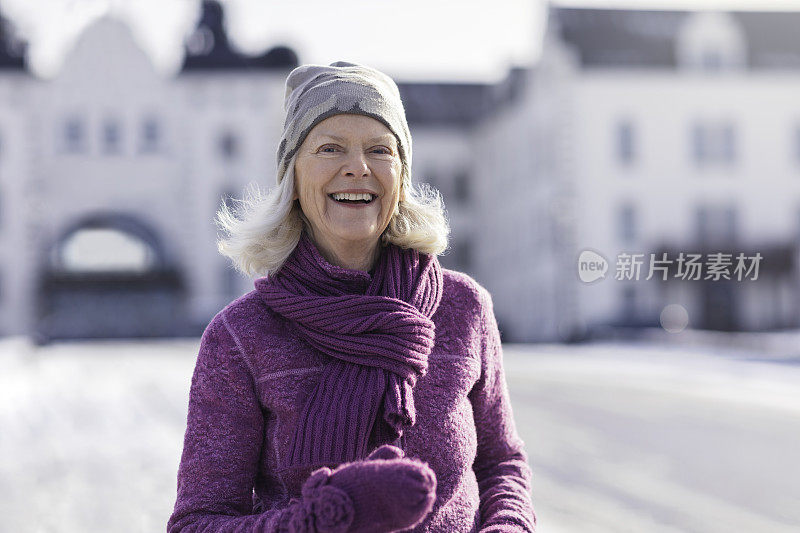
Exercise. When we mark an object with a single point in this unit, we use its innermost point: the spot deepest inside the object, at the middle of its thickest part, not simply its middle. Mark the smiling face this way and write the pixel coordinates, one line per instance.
(347, 178)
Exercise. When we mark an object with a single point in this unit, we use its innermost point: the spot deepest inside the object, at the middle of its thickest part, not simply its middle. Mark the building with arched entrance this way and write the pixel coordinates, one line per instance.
(110, 176)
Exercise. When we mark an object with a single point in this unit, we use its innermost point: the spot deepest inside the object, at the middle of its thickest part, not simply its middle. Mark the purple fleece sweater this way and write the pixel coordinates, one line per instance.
(254, 372)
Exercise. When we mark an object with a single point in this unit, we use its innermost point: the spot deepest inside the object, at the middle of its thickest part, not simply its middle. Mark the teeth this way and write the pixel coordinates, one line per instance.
(352, 196)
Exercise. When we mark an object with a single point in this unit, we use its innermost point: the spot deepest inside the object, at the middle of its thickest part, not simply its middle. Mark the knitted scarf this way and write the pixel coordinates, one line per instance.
(377, 330)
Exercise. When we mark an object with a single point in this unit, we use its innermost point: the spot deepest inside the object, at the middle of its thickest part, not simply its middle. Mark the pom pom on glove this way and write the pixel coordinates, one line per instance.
(382, 493)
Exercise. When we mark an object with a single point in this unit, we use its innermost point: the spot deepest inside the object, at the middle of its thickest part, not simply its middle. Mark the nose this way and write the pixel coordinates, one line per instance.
(356, 165)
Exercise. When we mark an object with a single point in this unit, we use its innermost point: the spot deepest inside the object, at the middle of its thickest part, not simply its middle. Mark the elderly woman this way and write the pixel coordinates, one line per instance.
(360, 386)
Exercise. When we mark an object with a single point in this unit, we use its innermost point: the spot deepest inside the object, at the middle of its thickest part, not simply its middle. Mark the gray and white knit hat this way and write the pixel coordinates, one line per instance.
(316, 92)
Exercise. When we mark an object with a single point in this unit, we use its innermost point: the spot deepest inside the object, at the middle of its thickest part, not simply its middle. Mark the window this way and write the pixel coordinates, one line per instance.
(797, 144)
(731, 223)
(713, 142)
(459, 255)
(230, 280)
(111, 136)
(710, 41)
(151, 135)
(228, 146)
(628, 301)
(626, 220)
(461, 187)
(555, 231)
(712, 59)
(716, 224)
(728, 142)
(701, 222)
(462, 255)
(625, 142)
(74, 135)
(698, 143)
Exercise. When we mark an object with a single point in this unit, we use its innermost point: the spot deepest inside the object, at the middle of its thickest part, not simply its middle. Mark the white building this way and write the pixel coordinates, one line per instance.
(685, 132)
(637, 131)
(111, 152)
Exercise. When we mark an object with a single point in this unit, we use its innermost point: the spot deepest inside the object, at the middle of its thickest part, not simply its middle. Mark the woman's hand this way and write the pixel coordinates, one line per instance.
(383, 492)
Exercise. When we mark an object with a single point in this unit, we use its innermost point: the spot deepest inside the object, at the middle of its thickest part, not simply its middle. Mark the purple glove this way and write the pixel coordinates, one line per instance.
(382, 493)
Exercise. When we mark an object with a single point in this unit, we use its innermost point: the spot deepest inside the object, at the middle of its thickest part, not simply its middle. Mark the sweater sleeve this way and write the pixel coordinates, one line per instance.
(501, 464)
(222, 444)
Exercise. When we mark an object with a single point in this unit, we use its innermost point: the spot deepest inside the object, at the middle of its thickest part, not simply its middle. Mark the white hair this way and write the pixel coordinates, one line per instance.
(263, 229)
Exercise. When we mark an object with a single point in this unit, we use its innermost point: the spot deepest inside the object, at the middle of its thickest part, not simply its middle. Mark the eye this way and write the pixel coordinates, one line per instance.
(328, 148)
(382, 150)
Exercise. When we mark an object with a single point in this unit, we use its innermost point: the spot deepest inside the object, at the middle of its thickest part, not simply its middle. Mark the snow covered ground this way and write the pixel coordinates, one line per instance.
(642, 438)
(91, 434)
(621, 437)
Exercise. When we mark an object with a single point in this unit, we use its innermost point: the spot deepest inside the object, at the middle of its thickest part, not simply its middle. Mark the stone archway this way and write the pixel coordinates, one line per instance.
(108, 275)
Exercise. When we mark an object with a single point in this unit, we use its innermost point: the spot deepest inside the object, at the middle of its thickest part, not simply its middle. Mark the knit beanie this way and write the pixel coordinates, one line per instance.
(316, 92)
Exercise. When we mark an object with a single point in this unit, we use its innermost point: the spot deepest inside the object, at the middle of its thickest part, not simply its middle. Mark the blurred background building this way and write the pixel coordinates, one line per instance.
(111, 176)
(637, 131)
(685, 136)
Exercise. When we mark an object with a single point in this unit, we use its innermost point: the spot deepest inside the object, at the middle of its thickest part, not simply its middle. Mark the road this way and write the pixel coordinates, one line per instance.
(643, 439)
(620, 437)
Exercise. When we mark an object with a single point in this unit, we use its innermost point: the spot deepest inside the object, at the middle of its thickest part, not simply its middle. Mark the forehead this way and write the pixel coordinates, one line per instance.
(346, 126)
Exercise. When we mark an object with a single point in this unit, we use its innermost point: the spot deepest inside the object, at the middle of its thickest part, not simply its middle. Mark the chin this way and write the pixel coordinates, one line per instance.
(358, 234)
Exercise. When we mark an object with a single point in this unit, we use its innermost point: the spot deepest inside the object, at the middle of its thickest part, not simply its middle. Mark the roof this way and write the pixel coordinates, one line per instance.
(646, 38)
(444, 103)
(12, 50)
(448, 103)
(458, 104)
(208, 48)
(771, 38)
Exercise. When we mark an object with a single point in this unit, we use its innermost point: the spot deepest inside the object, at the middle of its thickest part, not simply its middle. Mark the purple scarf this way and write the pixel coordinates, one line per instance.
(378, 331)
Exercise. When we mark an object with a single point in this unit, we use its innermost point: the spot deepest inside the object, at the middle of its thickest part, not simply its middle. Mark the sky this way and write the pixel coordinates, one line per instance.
(458, 40)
